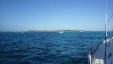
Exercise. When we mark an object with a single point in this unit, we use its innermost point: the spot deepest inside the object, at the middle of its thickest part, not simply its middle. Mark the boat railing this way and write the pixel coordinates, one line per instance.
(94, 51)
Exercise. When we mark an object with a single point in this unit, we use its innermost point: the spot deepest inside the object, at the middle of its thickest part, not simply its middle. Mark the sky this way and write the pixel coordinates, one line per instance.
(23, 15)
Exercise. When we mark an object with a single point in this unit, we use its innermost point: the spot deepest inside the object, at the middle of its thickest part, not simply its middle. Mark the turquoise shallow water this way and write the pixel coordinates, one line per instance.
(47, 47)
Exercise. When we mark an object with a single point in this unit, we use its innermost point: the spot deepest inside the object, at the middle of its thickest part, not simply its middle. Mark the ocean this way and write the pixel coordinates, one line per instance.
(47, 47)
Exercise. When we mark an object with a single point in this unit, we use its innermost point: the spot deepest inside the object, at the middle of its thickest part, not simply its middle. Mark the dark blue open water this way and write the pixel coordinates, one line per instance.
(47, 47)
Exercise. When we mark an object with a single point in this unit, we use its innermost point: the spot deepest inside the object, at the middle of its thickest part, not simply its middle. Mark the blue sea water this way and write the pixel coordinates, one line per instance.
(47, 47)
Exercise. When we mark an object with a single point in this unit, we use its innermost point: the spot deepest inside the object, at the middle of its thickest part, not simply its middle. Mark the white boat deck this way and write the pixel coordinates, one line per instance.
(99, 55)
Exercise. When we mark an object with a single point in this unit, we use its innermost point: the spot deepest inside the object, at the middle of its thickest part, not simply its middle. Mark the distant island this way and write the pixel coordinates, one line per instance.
(47, 31)
(55, 31)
